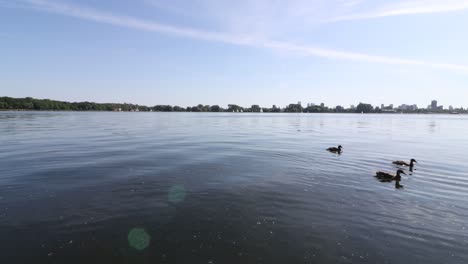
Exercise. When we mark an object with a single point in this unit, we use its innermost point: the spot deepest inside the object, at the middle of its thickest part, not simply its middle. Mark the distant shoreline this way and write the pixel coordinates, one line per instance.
(225, 112)
(31, 104)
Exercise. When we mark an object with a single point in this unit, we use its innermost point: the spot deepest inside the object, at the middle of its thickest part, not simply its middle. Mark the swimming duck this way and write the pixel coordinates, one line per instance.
(385, 176)
(403, 163)
(335, 150)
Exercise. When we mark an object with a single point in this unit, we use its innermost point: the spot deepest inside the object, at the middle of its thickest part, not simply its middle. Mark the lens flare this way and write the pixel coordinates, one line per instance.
(176, 194)
(138, 239)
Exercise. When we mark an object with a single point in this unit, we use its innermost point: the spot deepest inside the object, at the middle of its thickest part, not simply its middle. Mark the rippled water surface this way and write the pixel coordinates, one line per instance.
(231, 188)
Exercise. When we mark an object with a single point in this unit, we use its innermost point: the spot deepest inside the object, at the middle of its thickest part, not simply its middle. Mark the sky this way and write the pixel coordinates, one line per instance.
(189, 52)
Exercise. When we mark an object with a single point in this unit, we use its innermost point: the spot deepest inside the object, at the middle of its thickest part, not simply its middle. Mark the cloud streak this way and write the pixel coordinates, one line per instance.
(305, 50)
(415, 7)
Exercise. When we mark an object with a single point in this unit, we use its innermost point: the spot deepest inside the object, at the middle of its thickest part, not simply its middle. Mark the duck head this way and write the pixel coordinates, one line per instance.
(413, 161)
(340, 147)
(400, 172)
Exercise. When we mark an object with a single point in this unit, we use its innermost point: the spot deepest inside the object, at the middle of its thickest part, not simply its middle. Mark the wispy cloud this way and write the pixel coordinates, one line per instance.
(234, 39)
(352, 56)
(130, 22)
(406, 8)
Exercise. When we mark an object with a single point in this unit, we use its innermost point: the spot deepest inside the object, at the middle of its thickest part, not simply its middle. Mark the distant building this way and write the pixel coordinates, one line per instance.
(405, 107)
(322, 105)
(353, 107)
(434, 104)
(451, 108)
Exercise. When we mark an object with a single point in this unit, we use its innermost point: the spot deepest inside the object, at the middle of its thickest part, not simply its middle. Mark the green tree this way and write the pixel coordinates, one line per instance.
(255, 108)
(293, 108)
(364, 108)
(215, 108)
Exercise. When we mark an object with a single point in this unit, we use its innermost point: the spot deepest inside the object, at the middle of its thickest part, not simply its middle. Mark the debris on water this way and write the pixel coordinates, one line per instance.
(259, 223)
(70, 242)
(50, 254)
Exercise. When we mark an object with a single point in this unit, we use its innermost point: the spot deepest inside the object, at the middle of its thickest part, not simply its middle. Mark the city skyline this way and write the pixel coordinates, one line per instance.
(176, 52)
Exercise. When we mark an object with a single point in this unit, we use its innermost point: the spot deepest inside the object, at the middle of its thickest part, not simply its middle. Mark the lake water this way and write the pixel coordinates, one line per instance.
(231, 188)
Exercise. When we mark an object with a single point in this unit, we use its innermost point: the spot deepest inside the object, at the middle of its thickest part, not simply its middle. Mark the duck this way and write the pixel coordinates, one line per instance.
(335, 150)
(403, 163)
(385, 176)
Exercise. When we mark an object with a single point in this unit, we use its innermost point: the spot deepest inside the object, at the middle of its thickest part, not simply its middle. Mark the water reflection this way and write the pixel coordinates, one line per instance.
(432, 126)
(398, 185)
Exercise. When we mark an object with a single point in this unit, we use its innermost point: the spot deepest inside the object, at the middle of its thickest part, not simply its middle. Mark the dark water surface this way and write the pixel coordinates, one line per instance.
(231, 188)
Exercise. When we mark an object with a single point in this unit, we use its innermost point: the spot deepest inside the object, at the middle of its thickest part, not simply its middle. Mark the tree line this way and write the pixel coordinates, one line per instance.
(29, 103)
(32, 104)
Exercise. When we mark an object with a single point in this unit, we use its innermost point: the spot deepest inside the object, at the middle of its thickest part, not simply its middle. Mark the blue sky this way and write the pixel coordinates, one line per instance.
(265, 52)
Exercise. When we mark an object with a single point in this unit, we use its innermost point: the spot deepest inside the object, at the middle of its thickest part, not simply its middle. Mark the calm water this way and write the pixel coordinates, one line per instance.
(231, 188)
